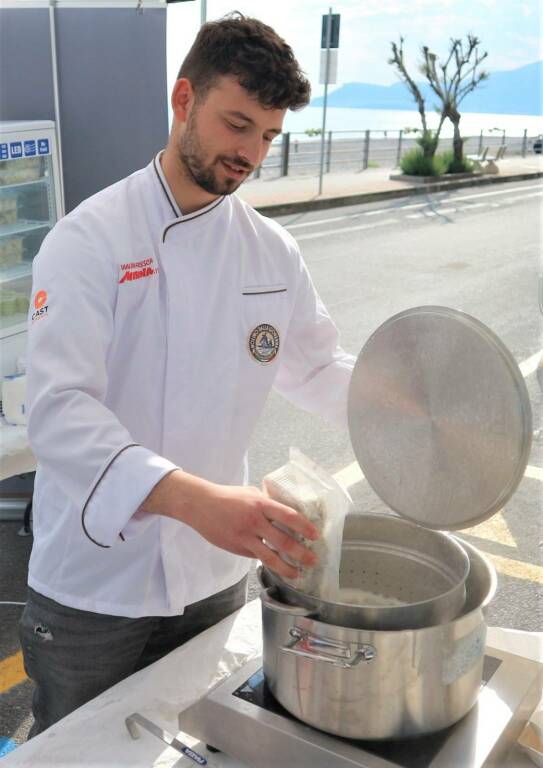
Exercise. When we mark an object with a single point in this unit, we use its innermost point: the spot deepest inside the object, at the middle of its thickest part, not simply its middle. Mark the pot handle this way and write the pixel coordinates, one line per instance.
(291, 610)
(343, 655)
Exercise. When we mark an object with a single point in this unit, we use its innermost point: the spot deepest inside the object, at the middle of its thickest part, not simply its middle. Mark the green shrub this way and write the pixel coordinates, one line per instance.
(428, 142)
(413, 163)
(466, 166)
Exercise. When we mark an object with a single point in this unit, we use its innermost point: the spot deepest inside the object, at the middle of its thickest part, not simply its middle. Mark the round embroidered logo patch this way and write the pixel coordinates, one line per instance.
(264, 343)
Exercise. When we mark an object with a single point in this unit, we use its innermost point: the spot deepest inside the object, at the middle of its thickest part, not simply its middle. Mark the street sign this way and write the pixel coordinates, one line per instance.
(332, 67)
(328, 73)
(334, 32)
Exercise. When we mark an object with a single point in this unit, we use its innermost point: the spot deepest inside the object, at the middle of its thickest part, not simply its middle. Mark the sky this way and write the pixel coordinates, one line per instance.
(510, 30)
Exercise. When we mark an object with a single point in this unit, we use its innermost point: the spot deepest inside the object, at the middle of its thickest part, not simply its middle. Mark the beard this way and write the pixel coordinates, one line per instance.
(202, 172)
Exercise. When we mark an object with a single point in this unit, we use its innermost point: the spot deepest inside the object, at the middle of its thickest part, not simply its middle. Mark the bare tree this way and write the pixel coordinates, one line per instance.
(429, 138)
(452, 88)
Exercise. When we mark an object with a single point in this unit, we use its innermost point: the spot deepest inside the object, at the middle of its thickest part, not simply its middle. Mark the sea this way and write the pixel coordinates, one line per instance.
(350, 119)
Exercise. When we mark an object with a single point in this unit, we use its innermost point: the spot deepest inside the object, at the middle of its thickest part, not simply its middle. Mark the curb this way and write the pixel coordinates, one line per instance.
(300, 206)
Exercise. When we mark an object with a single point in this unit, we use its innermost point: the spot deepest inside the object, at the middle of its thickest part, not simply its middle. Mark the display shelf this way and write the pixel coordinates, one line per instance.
(23, 226)
(34, 182)
(14, 273)
(15, 323)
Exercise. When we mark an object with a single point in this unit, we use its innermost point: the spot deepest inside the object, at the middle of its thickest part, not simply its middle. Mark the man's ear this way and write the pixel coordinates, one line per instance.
(182, 99)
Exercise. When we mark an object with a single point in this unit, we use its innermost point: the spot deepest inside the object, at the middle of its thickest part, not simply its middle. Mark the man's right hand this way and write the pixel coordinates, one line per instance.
(235, 518)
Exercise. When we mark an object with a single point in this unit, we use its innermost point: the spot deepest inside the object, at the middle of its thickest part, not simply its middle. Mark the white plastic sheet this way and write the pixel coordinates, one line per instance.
(16, 456)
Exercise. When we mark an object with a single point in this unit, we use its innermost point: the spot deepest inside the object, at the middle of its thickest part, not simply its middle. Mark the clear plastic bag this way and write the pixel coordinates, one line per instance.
(314, 493)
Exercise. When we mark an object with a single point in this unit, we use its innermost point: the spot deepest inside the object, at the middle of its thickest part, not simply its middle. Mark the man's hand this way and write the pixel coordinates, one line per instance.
(236, 518)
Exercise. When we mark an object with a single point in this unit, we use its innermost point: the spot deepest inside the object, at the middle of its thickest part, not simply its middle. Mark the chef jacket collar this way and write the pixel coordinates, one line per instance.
(171, 199)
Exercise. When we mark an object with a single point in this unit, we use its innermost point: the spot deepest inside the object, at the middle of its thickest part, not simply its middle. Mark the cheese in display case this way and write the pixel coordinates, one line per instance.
(30, 205)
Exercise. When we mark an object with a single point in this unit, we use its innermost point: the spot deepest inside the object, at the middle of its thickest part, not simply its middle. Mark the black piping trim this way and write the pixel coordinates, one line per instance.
(263, 293)
(104, 546)
(184, 220)
(164, 188)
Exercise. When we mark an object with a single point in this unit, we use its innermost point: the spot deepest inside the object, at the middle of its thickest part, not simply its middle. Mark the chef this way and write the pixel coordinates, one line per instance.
(164, 309)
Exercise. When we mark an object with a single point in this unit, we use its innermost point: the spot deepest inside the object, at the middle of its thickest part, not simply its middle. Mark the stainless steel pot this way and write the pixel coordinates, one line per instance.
(367, 684)
(424, 570)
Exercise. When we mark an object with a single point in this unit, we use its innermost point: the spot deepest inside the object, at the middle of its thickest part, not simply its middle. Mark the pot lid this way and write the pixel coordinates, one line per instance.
(439, 418)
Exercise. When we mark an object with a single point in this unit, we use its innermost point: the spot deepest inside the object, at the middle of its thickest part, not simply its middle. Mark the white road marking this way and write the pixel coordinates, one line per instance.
(341, 230)
(427, 214)
(529, 365)
(534, 472)
(324, 221)
(522, 197)
(411, 206)
(350, 475)
(497, 192)
(346, 216)
(399, 208)
(377, 211)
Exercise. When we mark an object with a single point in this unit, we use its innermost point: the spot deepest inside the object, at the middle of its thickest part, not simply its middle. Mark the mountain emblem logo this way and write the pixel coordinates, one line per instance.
(264, 343)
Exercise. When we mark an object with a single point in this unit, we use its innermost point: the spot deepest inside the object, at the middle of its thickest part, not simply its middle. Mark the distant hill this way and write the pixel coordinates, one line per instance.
(512, 92)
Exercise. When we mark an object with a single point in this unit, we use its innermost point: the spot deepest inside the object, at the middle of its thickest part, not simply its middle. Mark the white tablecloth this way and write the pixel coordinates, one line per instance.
(15, 454)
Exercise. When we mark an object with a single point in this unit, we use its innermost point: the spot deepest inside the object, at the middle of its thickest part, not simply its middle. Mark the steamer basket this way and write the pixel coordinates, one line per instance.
(384, 555)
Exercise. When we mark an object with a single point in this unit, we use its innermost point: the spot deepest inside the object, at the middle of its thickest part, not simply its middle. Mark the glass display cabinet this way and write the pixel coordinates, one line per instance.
(30, 204)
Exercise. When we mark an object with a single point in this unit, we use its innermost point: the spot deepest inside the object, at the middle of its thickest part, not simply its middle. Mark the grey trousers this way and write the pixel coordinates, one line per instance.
(74, 655)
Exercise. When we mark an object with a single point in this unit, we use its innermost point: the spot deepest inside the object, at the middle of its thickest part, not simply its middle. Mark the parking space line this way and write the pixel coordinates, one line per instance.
(349, 475)
(11, 672)
(535, 473)
(529, 365)
(494, 529)
(517, 568)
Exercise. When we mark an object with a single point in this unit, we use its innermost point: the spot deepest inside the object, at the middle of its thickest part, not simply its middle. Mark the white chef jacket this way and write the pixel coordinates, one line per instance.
(154, 340)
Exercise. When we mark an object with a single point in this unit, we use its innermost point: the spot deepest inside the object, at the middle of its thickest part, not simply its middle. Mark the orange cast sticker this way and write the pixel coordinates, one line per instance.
(39, 299)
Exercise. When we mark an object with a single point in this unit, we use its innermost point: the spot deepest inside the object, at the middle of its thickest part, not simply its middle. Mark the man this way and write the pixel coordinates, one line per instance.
(164, 310)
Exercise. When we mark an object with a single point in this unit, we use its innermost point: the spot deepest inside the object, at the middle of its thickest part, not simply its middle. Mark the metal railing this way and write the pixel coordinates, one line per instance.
(297, 154)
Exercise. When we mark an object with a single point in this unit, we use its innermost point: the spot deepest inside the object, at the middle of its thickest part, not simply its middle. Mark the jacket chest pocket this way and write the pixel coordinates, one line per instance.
(264, 315)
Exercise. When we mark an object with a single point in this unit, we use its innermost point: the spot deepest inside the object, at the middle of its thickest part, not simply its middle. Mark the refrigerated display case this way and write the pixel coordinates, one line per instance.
(30, 204)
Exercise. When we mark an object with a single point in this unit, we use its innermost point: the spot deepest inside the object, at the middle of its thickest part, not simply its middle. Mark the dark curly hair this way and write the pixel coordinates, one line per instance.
(261, 60)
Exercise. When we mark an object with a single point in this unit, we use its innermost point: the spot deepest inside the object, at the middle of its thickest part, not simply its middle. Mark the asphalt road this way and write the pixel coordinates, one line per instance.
(476, 251)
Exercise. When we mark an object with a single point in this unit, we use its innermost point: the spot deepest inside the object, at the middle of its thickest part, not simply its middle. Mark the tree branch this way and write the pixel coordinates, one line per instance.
(397, 60)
